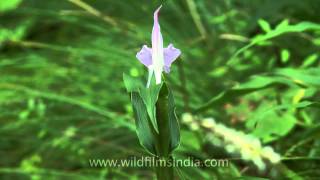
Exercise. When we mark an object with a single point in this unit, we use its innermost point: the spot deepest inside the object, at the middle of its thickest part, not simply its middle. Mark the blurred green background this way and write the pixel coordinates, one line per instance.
(251, 65)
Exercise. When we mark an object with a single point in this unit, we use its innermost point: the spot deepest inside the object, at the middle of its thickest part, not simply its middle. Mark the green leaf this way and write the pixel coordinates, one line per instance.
(283, 24)
(143, 127)
(189, 140)
(281, 125)
(132, 84)
(285, 55)
(14, 34)
(309, 77)
(309, 60)
(152, 106)
(264, 25)
(150, 98)
(149, 95)
(282, 122)
(7, 5)
(173, 123)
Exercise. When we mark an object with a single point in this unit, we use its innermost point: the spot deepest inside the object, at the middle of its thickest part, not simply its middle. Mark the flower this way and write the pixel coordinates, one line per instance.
(157, 59)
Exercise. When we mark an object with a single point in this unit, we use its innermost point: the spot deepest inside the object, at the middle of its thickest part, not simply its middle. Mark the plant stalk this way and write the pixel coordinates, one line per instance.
(164, 168)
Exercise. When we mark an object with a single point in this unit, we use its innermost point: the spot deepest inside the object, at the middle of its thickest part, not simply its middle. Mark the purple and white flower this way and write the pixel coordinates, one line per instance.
(157, 59)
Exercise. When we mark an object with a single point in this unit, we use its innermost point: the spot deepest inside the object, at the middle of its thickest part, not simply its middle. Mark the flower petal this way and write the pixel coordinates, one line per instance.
(170, 54)
(157, 48)
(166, 69)
(145, 56)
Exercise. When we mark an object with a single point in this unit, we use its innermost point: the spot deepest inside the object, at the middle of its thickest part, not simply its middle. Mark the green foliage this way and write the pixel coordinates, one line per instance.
(264, 25)
(144, 130)
(280, 29)
(251, 65)
(309, 60)
(155, 117)
(285, 55)
(9, 5)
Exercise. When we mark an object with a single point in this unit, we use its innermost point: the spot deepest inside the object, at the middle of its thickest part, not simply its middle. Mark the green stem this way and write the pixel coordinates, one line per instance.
(164, 171)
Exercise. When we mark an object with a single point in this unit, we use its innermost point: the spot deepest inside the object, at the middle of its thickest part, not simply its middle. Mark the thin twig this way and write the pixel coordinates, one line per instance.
(94, 11)
(196, 18)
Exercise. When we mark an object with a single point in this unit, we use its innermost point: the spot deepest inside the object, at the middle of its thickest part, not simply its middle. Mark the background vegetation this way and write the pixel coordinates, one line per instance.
(252, 66)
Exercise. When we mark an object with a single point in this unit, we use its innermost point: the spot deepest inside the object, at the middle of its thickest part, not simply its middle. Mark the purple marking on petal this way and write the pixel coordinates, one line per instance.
(170, 54)
(145, 56)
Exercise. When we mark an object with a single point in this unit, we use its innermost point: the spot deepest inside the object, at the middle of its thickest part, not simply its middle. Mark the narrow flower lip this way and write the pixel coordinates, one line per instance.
(157, 47)
(156, 14)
